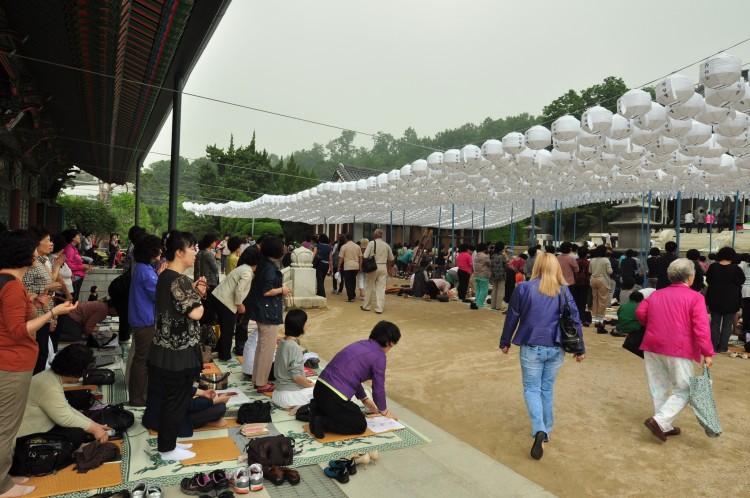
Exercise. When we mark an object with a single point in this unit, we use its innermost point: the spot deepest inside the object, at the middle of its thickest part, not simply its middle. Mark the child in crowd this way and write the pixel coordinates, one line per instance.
(626, 321)
(93, 293)
(292, 387)
(628, 287)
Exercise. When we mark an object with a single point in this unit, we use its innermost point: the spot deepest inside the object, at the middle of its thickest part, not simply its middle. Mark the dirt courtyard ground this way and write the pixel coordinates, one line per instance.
(448, 369)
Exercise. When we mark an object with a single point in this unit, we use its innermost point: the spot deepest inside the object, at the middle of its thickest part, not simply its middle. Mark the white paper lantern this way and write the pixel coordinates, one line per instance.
(405, 172)
(393, 176)
(698, 134)
(663, 145)
(634, 103)
(525, 158)
(383, 180)
(725, 96)
(585, 153)
(452, 159)
(642, 137)
(565, 128)
(372, 183)
(565, 145)
(514, 143)
(714, 149)
(633, 152)
(680, 159)
(675, 128)
(688, 109)
(720, 70)
(563, 159)
(596, 120)
(435, 159)
(713, 115)
(695, 149)
(740, 151)
(543, 160)
(743, 105)
(538, 137)
(615, 146)
(675, 89)
(737, 141)
(653, 119)
(607, 160)
(708, 164)
(491, 149)
(620, 127)
(587, 139)
(736, 123)
(419, 167)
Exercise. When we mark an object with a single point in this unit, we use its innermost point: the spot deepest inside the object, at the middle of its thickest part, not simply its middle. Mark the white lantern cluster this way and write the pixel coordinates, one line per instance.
(680, 141)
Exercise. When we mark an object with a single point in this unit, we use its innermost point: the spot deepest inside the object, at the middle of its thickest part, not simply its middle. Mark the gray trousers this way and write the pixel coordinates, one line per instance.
(14, 390)
(136, 371)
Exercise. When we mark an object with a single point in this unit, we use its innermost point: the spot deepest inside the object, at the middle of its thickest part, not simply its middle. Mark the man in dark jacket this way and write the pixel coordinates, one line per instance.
(665, 260)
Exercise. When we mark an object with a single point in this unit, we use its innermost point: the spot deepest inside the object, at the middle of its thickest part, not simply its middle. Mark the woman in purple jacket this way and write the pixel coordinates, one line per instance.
(677, 333)
(534, 315)
(331, 409)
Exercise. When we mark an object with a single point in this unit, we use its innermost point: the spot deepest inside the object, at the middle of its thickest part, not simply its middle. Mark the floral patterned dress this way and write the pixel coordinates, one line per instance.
(176, 348)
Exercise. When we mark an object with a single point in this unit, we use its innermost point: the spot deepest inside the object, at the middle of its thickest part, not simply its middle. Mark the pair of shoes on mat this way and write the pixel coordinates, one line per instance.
(341, 469)
(123, 493)
(246, 479)
(145, 490)
(277, 475)
(201, 483)
(268, 388)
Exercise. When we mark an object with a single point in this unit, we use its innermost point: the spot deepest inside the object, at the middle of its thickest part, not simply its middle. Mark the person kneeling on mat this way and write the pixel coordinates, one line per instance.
(331, 409)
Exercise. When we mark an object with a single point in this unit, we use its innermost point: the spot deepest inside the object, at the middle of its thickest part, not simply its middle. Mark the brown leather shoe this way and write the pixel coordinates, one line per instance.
(653, 426)
(291, 475)
(274, 475)
(674, 432)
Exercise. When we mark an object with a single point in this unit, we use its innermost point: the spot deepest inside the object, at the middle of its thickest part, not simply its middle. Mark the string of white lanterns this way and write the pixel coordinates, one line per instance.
(681, 142)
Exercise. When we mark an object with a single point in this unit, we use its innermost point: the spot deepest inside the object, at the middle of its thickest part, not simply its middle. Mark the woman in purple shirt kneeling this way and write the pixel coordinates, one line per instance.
(331, 409)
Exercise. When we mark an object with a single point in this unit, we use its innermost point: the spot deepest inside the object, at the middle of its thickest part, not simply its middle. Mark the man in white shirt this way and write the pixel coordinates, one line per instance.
(688, 222)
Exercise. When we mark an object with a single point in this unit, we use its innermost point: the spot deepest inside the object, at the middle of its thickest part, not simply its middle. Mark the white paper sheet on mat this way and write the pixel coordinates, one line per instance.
(383, 424)
(237, 399)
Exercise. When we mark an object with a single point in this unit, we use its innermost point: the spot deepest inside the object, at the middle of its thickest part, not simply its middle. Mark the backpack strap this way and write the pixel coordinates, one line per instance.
(4, 279)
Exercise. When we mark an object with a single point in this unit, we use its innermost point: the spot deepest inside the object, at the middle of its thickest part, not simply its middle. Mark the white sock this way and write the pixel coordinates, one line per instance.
(184, 446)
(177, 454)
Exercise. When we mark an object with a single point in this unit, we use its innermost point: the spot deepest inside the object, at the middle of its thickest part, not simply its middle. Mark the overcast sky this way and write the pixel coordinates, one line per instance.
(437, 64)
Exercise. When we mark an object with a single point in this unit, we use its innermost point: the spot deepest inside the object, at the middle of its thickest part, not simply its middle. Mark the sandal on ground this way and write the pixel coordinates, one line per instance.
(268, 388)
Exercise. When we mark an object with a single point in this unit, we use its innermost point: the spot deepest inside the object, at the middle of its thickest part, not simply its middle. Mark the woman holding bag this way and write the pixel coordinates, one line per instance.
(677, 333)
(533, 324)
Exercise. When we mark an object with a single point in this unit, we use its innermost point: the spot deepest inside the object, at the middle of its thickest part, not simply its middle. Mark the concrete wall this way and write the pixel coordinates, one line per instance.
(101, 277)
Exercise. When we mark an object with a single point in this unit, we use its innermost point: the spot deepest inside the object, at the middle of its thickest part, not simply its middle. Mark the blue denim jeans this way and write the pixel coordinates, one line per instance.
(539, 367)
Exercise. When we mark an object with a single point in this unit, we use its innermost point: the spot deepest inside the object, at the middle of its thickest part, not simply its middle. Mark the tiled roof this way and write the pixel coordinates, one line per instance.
(346, 173)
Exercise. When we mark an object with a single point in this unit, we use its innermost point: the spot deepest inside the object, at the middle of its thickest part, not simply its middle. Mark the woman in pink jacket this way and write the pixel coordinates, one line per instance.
(73, 259)
(677, 333)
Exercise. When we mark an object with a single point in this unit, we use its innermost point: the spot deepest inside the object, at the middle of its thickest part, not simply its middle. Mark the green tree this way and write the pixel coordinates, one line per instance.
(604, 94)
(87, 215)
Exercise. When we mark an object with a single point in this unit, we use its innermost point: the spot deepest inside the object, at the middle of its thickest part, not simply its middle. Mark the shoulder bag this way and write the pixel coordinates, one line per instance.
(271, 451)
(41, 454)
(113, 416)
(80, 399)
(702, 403)
(99, 377)
(571, 341)
(633, 341)
(369, 265)
(254, 412)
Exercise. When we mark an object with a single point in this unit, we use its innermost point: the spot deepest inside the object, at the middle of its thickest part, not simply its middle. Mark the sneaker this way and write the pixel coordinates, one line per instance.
(197, 485)
(153, 491)
(139, 490)
(220, 480)
(241, 481)
(256, 477)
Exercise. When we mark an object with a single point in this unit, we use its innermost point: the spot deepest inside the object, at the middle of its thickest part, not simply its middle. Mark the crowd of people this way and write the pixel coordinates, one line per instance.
(168, 315)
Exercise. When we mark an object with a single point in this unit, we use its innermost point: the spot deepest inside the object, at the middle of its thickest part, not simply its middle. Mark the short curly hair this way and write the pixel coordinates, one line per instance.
(17, 249)
(146, 248)
(726, 254)
(72, 361)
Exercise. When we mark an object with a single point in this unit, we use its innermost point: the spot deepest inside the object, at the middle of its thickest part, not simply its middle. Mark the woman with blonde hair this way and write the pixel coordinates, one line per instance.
(533, 324)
